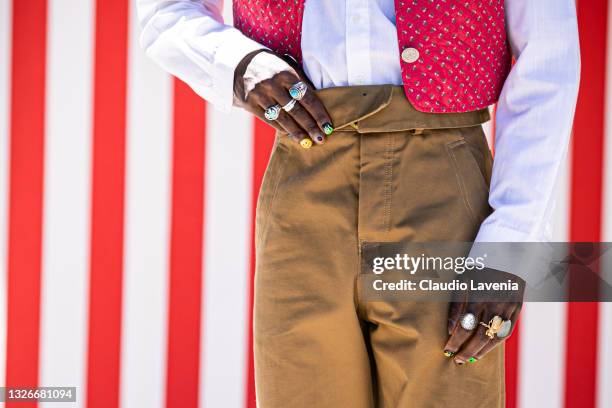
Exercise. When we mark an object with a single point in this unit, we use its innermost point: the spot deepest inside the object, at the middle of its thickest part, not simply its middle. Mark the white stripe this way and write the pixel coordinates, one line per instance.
(5, 60)
(66, 196)
(223, 356)
(560, 219)
(541, 363)
(227, 248)
(604, 353)
(145, 289)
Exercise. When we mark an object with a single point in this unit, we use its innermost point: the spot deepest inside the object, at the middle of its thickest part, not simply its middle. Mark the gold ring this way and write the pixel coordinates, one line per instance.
(493, 327)
(306, 143)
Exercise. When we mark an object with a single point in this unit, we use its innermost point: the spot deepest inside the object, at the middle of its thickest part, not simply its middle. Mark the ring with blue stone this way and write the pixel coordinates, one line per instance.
(298, 91)
(272, 112)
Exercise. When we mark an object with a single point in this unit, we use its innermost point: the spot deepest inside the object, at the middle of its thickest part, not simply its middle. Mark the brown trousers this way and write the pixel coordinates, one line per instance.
(387, 174)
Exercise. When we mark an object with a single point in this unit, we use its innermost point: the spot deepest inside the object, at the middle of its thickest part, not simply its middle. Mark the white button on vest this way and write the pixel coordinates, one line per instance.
(410, 55)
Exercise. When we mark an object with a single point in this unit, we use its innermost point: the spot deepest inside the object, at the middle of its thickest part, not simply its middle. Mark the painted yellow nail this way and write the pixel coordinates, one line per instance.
(306, 143)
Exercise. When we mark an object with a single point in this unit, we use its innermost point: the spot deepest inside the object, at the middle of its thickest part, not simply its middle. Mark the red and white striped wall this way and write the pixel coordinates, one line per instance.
(126, 209)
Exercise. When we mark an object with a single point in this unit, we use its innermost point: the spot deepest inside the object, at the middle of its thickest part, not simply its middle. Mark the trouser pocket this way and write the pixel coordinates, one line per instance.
(269, 188)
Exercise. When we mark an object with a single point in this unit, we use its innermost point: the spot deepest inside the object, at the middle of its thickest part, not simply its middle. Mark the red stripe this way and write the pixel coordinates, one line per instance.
(263, 142)
(186, 248)
(26, 192)
(107, 207)
(586, 198)
(512, 368)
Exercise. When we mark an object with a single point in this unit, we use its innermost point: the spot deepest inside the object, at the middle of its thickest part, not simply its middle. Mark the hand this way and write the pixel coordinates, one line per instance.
(472, 345)
(263, 79)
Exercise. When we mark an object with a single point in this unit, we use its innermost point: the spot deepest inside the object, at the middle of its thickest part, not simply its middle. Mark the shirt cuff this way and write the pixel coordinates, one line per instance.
(235, 47)
(512, 251)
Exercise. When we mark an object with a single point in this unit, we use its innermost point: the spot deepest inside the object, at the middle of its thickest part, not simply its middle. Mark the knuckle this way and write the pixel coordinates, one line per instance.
(253, 97)
(309, 98)
(321, 117)
(285, 75)
(298, 109)
(299, 114)
(313, 100)
(265, 86)
(298, 136)
(312, 128)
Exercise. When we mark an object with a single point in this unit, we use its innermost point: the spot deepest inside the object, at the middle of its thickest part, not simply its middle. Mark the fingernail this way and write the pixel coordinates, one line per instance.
(306, 143)
(328, 128)
(318, 137)
(448, 353)
(472, 360)
(459, 362)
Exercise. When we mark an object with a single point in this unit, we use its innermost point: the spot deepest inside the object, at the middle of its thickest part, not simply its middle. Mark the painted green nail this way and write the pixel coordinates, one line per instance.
(448, 353)
(472, 360)
(328, 128)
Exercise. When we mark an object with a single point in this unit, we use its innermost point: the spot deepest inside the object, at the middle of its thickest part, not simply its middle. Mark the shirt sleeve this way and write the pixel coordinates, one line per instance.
(534, 119)
(189, 39)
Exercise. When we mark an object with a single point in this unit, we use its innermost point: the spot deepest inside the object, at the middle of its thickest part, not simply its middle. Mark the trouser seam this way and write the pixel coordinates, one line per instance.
(388, 182)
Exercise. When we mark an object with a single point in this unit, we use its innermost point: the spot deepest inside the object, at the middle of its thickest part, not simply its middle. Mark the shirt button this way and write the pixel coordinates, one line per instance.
(410, 55)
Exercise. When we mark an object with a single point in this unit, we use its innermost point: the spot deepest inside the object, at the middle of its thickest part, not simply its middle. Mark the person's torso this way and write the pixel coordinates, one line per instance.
(454, 55)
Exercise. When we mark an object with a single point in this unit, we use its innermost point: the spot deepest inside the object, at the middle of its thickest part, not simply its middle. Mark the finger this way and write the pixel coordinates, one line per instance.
(454, 313)
(277, 90)
(480, 340)
(257, 104)
(496, 341)
(516, 313)
(472, 346)
(297, 113)
(456, 308)
(286, 124)
(312, 103)
(459, 334)
(306, 122)
(487, 348)
(257, 110)
(317, 110)
(292, 128)
(284, 121)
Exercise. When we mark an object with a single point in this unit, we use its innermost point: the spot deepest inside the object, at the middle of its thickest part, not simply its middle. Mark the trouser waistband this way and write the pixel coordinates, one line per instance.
(385, 108)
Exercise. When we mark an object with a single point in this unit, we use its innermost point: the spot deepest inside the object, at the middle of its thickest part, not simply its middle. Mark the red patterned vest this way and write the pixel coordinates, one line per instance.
(453, 53)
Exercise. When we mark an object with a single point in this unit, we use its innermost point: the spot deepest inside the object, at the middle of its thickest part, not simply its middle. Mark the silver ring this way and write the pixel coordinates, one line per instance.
(289, 105)
(272, 112)
(298, 91)
(468, 321)
(504, 330)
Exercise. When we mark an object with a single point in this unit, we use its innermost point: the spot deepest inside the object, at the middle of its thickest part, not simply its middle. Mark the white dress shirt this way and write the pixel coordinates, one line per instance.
(358, 46)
